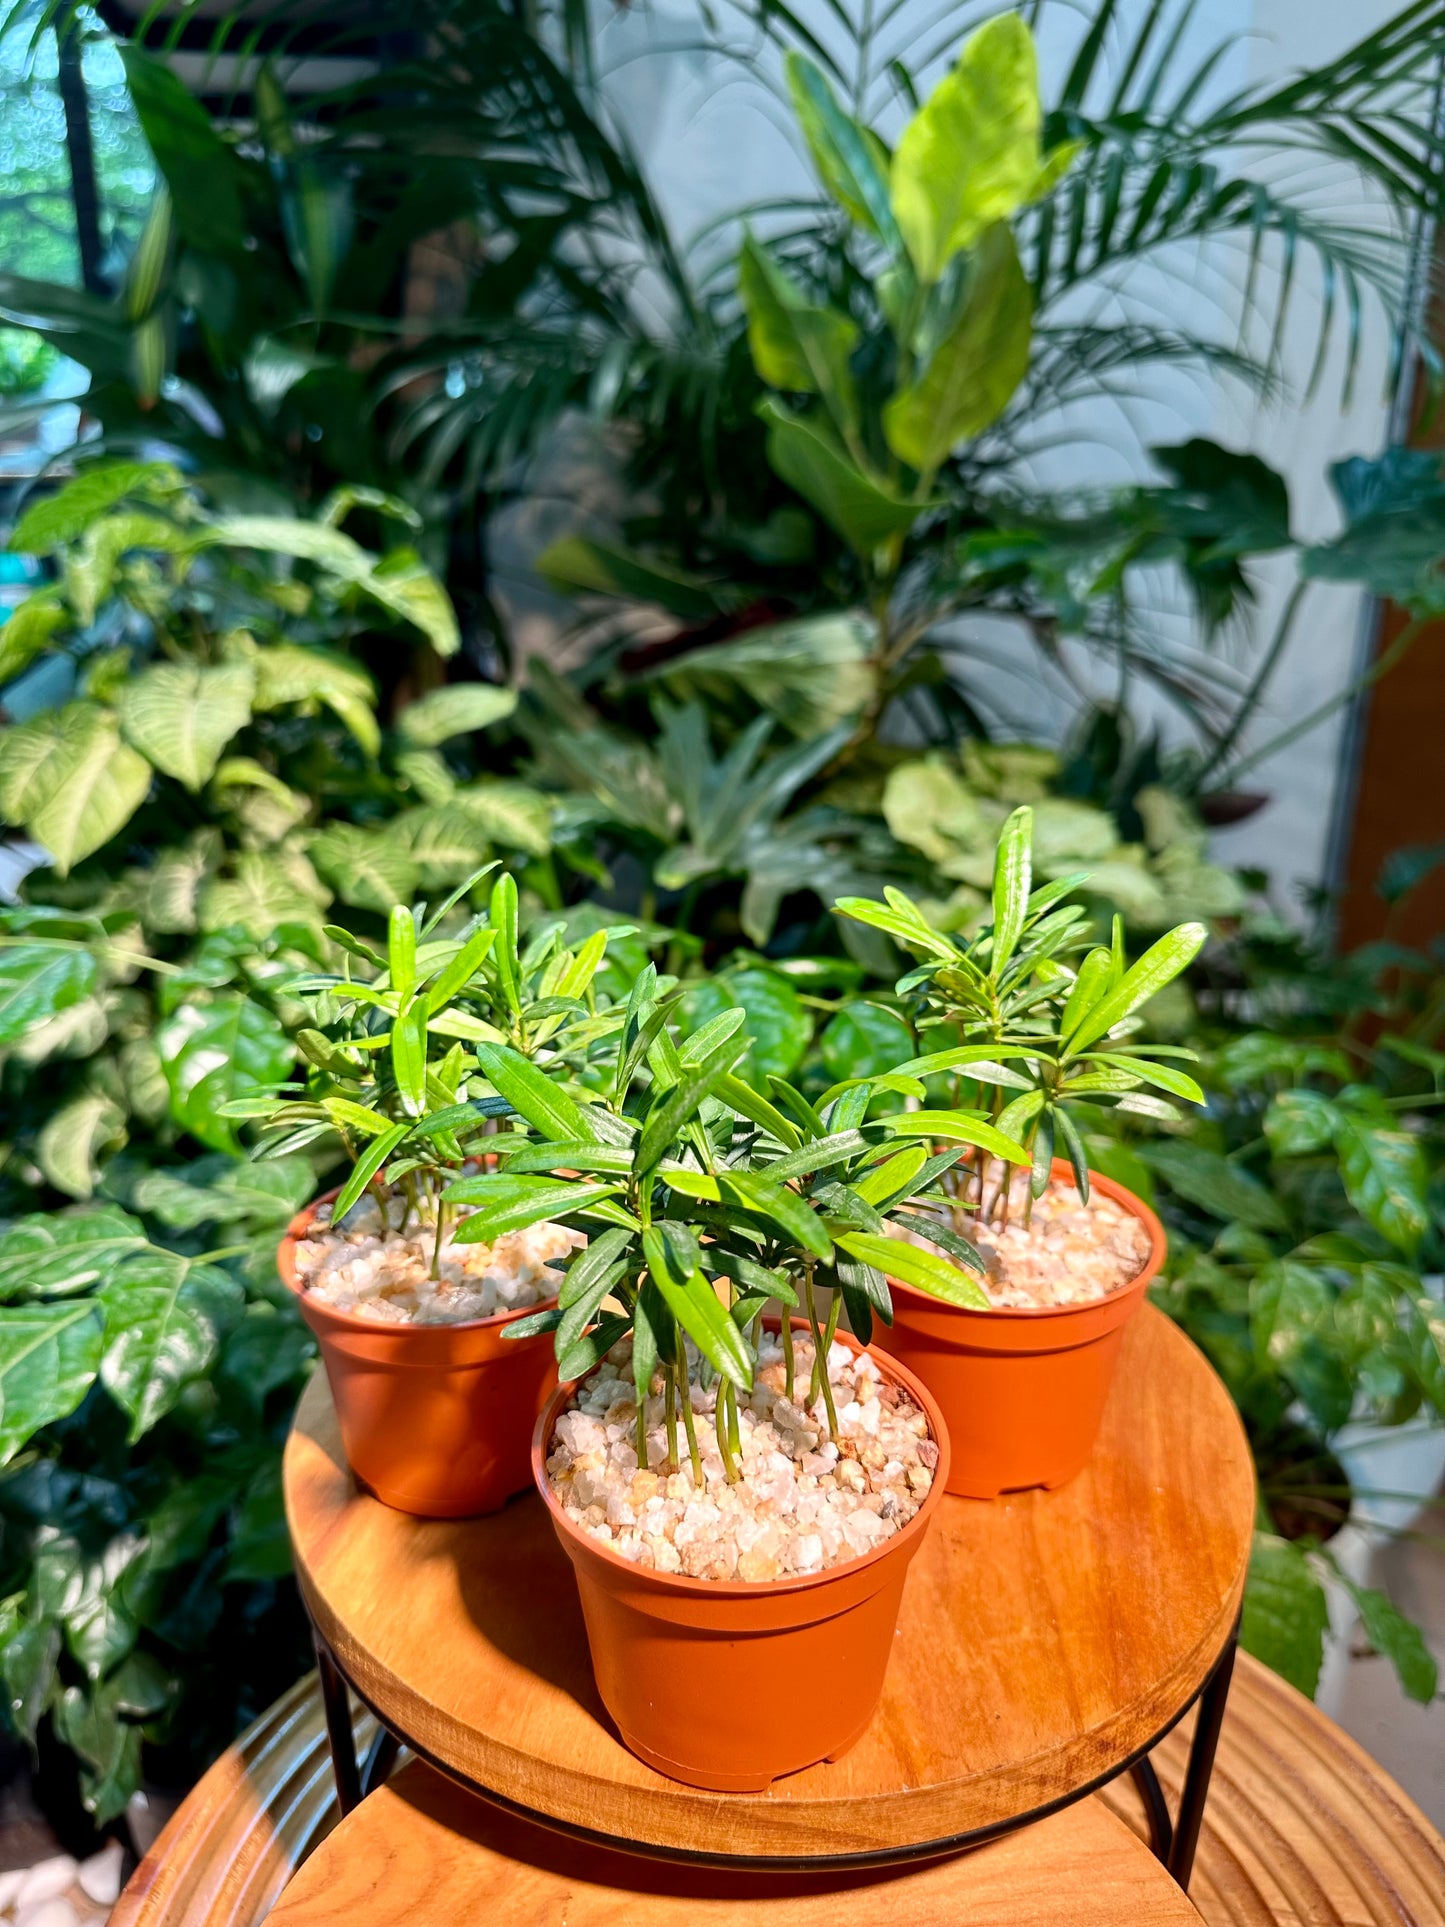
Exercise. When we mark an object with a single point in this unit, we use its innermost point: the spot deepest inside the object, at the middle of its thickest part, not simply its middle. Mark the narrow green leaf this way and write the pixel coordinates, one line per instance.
(925, 1270)
(695, 1305)
(534, 1097)
(1159, 966)
(957, 1127)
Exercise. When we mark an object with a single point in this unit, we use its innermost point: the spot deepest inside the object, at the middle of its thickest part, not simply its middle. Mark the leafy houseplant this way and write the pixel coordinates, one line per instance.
(435, 1412)
(704, 1202)
(1042, 1039)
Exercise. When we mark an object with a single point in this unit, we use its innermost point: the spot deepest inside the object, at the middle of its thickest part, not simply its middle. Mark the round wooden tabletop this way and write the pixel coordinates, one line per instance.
(1046, 1639)
(425, 1849)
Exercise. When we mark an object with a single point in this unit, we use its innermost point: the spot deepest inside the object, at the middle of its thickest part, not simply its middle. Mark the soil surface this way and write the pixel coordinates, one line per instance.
(802, 1503)
(383, 1271)
(1061, 1252)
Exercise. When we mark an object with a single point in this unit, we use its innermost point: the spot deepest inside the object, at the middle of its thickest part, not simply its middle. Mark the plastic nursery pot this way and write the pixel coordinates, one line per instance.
(727, 1684)
(435, 1419)
(1023, 1390)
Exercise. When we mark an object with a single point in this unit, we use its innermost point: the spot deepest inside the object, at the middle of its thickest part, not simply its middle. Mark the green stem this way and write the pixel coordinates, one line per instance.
(669, 1392)
(685, 1394)
(828, 1337)
(735, 1434)
(789, 1363)
(641, 1436)
(436, 1250)
(722, 1428)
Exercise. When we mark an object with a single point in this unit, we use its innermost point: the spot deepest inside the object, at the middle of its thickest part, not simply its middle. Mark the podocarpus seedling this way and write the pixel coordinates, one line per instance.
(392, 1055)
(1042, 1036)
(701, 1185)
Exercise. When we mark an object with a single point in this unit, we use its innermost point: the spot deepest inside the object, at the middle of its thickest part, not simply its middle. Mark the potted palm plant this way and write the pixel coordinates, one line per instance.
(1036, 1033)
(435, 1411)
(739, 1488)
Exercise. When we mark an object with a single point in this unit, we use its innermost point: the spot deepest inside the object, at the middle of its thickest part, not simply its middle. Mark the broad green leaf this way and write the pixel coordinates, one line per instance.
(265, 889)
(1385, 1175)
(202, 172)
(1300, 1123)
(1288, 1304)
(164, 1321)
(925, 1270)
(91, 1726)
(511, 814)
(574, 564)
(456, 710)
(542, 1199)
(38, 981)
(851, 160)
(977, 364)
(71, 780)
(695, 1305)
(1398, 1639)
(49, 1356)
(365, 867)
(286, 673)
(863, 1040)
(1285, 1612)
(27, 630)
(810, 458)
(1159, 966)
(1222, 1189)
(957, 1127)
(534, 1097)
(795, 344)
(778, 1026)
(62, 517)
(75, 1137)
(214, 1053)
(970, 156)
(181, 716)
(54, 1252)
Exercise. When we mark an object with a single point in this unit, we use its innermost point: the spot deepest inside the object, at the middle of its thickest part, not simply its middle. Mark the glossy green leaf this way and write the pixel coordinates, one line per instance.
(408, 1058)
(1300, 1123)
(180, 716)
(38, 981)
(1159, 966)
(1210, 1181)
(801, 1224)
(795, 344)
(1285, 1613)
(1385, 1175)
(925, 1270)
(957, 1127)
(371, 1160)
(970, 156)
(50, 1253)
(49, 1357)
(977, 364)
(810, 458)
(401, 949)
(69, 778)
(455, 710)
(694, 1304)
(535, 1097)
(851, 160)
(214, 1053)
(164, 1321)
(680, 1104)
(541, 1200)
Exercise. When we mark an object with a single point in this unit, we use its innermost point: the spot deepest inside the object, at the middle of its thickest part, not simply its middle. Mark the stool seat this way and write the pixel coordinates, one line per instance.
(427, 1851)
(1302, 1826)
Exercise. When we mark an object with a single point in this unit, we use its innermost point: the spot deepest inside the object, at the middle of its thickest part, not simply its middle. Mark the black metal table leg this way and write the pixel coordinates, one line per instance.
(1156, 1808)
(1212, 1702)
(337, 1704)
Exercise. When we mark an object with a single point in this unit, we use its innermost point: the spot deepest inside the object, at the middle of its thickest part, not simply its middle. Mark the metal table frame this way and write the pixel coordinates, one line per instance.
(1174, 1841)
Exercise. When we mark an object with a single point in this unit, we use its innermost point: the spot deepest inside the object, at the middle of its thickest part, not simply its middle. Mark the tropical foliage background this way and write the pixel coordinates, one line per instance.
(271, 678)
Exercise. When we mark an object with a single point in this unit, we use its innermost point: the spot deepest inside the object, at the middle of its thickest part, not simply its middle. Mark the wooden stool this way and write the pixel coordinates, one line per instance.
(424, 1850)
(1047, 1641)
(1302, 1826)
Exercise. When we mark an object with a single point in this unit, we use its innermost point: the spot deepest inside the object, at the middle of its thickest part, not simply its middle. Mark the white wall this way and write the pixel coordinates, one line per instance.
(711, 139)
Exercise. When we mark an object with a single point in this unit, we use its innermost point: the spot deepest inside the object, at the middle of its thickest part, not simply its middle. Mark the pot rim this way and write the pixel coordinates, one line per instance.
(687, 1587)
(1148, 1271)
(375, 1327)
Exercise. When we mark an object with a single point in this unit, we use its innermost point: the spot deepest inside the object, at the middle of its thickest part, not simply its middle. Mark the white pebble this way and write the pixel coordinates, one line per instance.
(46, 1879)
(100, 1875)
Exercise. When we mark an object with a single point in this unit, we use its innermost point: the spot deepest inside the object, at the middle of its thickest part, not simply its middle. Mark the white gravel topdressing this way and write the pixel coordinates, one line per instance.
(383, 1272)
(1069, 1253)
(802, 1504)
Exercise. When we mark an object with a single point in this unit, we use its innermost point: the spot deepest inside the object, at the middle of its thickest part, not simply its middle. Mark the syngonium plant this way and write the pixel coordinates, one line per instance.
(391, 1073)
(704, 1201)
(1044, 1036)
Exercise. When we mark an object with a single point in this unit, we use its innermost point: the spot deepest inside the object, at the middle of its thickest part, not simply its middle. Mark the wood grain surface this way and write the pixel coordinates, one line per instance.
(1302, 1827)
(1044, 1637)
(425, 1850)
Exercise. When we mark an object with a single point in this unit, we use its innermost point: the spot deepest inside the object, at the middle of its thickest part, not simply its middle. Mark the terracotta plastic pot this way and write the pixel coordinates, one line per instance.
(726, 1684)
(436, 1419)
(1023, 1391)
